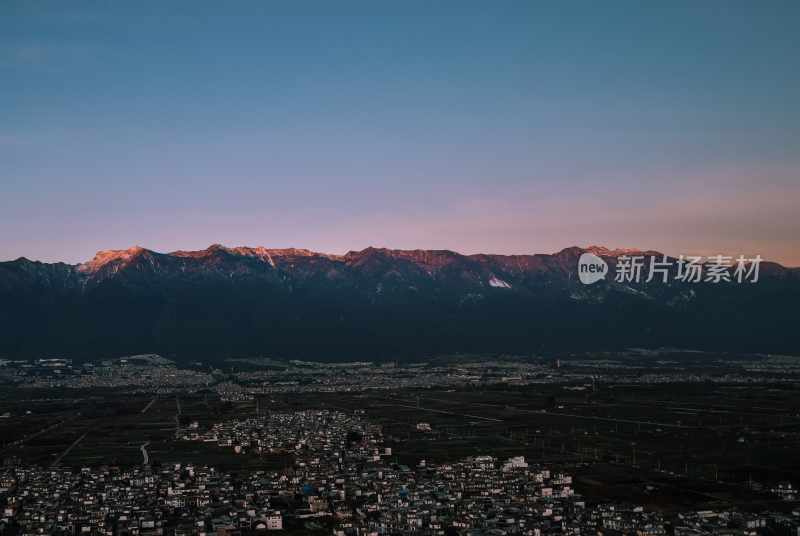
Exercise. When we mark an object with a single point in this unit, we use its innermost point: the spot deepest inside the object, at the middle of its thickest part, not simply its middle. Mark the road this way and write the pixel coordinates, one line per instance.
(69, 448)
(177, 417)
(572, 415)
(445, 412)
(43, 431)
(145, 455)
(149, 404)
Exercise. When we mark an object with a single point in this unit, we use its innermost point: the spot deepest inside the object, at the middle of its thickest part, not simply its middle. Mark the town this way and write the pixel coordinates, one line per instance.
(634, 442)
(343, 482)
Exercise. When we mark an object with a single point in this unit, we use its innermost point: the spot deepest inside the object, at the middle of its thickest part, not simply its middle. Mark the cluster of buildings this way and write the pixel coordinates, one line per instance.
(140, 501)
(137, 374)
(637, 366)
(728, 523)
(155, 374)
(361, 495)
(302, 377)
(325, 433)
(343, 481)
(305, 377)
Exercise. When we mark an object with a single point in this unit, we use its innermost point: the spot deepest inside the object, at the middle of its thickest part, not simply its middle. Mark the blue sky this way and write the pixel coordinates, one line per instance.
(508, 127)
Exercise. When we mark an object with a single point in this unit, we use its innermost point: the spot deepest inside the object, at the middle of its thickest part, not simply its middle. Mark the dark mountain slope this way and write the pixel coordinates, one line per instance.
(374, 304)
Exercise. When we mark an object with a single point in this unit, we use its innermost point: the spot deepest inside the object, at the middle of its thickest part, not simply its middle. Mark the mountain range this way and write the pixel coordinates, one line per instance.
(375, 304)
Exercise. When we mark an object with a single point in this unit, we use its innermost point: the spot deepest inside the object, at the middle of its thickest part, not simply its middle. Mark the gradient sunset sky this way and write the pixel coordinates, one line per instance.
(501, 127)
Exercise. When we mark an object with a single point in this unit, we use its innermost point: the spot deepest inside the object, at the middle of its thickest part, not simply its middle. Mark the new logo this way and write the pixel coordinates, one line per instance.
(591, 268)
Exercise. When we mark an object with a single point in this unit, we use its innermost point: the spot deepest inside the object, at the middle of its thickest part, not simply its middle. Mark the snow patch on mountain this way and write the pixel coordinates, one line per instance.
(498, 283)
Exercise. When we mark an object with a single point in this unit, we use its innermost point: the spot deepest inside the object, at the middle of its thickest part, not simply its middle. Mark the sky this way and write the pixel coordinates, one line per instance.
(497, 127)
